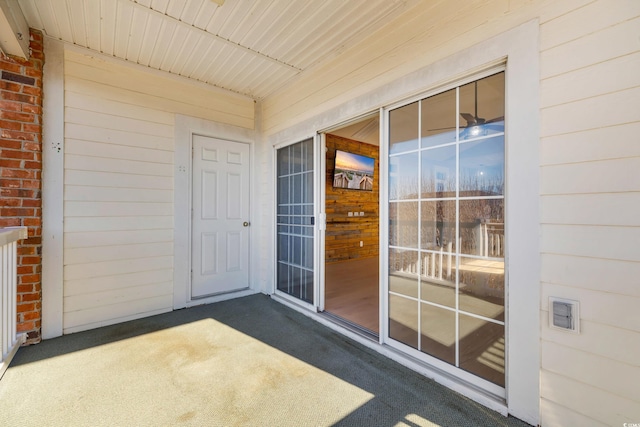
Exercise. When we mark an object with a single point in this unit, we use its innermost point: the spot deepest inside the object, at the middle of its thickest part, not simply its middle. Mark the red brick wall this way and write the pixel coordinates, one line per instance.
(21, 172)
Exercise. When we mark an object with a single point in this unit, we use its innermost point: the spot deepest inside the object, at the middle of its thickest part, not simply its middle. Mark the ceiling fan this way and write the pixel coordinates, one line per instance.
(475, 124)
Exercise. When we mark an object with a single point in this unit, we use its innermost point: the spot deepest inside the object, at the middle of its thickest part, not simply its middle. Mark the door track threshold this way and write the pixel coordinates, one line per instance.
(360, 330)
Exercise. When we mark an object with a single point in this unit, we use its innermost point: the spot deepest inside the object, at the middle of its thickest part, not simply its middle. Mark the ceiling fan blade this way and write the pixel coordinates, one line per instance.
(471, 120)
(496, 119)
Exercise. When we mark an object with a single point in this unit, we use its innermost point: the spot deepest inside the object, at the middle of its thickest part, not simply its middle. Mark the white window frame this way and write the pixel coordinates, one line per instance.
(493, 389)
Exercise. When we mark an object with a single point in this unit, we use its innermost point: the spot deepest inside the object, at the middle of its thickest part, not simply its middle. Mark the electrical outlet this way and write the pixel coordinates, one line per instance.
(361, 213)
(349, 213)
(361, 243)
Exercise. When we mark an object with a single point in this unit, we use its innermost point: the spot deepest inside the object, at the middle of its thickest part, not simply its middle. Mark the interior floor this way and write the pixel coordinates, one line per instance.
(352, 292)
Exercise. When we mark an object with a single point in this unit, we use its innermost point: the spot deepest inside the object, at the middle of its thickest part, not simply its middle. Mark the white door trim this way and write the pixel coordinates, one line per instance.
(185, 127)
(52, 279)
(320, 184)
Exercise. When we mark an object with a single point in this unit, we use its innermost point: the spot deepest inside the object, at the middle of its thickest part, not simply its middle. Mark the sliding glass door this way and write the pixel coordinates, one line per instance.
(295, 220)
(446, 227)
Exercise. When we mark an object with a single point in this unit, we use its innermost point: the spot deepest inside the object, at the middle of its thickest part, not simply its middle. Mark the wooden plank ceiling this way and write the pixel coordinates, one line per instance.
(252, 47)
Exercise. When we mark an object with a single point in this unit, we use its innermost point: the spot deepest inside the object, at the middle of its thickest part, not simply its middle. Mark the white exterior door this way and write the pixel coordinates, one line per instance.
(220, 217)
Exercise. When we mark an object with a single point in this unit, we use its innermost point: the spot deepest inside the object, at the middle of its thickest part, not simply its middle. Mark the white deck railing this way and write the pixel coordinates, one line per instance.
(9, 339)
(490, 238)
(488, 242)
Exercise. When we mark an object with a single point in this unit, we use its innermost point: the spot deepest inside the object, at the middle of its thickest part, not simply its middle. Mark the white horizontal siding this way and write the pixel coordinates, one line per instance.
(590, 212)
(93, 285)
(119, 185)
(86, 102)
(105, 164)
(609, 342)
(121, 266)
(608, 242)
(117, 137)
(591, 209)
(590, 273)
(112, 238)
(113, 151)
(592, 402)
(118, 180)
(118, 252)
(83, 320)
(110, 121)
(587, 146)
(558, 415)
(591, 113)
(117, 223)
(125, 84)
(595, 371)
(113, 194)
(128, 208)
(608, 43)
(593, 16)
(607, 176)
(97, 300)
(587, 82)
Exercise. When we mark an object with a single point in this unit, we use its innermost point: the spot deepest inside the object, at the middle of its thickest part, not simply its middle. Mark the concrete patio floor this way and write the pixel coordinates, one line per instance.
(245, 362)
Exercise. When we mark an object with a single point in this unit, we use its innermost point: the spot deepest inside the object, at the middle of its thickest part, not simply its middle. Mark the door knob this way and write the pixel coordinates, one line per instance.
(245, 224)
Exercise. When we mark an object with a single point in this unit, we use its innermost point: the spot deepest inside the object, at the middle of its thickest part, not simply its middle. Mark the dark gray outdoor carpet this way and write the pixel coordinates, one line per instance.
(244, 362)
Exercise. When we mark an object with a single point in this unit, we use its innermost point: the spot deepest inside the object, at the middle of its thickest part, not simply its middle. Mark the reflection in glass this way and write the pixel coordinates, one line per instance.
(438, 330)
(403, 128)
(403, 320)
(439, 119)
(482, 167)
(439, 172)
(438, 228)
(482, 348)
(439, 291)
(482, 107)
(482, 227)
(481, 285)
(447, 239)
(403, 272)
(403, 224)
(403, 176)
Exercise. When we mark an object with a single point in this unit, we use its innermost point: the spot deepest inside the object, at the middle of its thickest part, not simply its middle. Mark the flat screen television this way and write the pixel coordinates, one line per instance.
(353, 171)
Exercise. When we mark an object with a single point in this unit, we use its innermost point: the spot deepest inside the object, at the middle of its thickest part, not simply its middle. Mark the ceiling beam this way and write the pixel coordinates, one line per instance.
(216, 37)
(14, 31)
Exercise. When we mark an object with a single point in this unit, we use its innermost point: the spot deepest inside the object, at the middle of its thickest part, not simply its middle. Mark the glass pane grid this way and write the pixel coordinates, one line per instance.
(298, 266)
(480, 138)
(294, 220)
(456, 266)
(287, 175)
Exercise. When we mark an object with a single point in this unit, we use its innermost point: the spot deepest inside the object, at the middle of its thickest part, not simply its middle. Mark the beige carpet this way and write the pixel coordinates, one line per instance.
(246, 362)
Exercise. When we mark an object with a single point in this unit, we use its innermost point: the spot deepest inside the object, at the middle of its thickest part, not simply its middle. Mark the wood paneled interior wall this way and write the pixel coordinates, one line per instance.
(344, 233)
